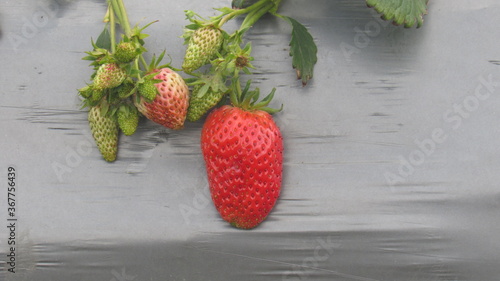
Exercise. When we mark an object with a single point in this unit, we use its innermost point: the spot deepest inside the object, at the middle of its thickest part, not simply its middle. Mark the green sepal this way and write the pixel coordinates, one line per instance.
(265, 101)
(192, 26)
(214, 82)
(104, 105)
(247, 99)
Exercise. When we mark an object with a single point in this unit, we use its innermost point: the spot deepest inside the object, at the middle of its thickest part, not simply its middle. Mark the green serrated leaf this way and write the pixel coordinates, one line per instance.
(401, 12)
(89, 58)
(104, 40)
(303, 49)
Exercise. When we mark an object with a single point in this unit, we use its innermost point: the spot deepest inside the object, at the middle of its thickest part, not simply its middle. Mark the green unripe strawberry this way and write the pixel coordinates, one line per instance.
(109, 75)
(125, 52)
(97, 95)
(199, 105)
(113, 99)
(128, 119)
(105, 132)
(202, 47)
(148, 90)
(125, 90)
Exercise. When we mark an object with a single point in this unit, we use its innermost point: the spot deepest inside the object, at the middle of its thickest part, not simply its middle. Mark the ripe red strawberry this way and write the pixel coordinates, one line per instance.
(169, 108)
(243, 152)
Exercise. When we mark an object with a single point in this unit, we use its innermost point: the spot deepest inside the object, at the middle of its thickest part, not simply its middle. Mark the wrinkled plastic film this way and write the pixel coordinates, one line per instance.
(390, 166)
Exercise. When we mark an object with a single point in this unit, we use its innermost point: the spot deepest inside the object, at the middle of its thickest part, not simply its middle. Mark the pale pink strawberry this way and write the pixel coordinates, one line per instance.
(169, 108)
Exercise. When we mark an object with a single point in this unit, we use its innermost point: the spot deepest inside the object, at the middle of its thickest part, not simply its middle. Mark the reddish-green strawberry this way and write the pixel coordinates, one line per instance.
(243, 153)
(169, 108)
(109, 75)
(125, 52)
(199, 105)
(105, 132)
(128, 119)
(203, 46)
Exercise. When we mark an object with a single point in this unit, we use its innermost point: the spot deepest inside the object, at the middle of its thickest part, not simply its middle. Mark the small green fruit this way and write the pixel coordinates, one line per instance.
(202, 47)
(128, 119)
(105, 132)
(109, 75)
(125, 52)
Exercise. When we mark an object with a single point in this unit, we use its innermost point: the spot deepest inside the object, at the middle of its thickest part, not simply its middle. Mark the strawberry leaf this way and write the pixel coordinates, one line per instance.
(104, 40)
(303, 50)
(401, 12)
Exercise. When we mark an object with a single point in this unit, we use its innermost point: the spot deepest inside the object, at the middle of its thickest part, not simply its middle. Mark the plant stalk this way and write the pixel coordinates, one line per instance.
(112, 28)
(124, 17)
(255, 15)
(247, 10)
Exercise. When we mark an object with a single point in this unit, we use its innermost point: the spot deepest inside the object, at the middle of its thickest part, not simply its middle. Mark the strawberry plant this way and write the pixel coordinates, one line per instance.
(125, 87)
(241, 144)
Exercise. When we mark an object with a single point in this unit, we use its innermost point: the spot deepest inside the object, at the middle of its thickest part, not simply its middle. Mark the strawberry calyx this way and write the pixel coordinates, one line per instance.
(234, 61)
(249, 100)
(213, 82)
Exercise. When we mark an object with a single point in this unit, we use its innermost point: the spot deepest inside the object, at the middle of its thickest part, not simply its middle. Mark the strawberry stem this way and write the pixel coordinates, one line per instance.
(247, 10)
(143, 61)
(255, 15)
(124, 17)
(112, 28)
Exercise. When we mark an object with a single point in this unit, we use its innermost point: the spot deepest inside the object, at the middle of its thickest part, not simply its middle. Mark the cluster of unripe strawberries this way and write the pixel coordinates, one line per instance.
(241, 144)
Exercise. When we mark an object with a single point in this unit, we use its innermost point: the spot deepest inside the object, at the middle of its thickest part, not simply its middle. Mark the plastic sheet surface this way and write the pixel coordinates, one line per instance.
(391, 165)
